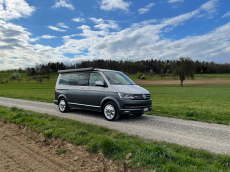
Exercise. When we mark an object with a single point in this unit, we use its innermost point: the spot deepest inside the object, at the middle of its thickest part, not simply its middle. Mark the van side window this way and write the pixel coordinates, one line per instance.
(64, 80)
(83, 79)
(74, 79)
(95, 77)
(79, 79)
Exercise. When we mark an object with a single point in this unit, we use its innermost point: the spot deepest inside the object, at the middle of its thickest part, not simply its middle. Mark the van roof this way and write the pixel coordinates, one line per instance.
(82, 70)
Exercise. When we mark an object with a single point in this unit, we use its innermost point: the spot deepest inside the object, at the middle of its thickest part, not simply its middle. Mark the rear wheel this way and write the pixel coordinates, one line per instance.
(110, 111)
(63, 106)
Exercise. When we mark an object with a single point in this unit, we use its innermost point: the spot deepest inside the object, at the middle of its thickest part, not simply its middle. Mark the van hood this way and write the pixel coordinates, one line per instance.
(130, 89)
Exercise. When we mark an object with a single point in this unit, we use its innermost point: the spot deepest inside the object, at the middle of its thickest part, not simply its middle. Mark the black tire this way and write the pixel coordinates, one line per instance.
(138, 114)
(110, 106)
(63, 108)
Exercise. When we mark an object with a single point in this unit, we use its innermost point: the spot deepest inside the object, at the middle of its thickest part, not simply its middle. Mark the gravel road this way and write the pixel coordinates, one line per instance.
(212, 137)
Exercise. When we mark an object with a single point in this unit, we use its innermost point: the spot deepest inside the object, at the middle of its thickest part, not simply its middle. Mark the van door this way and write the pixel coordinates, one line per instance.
(94, 94)
(77, 86)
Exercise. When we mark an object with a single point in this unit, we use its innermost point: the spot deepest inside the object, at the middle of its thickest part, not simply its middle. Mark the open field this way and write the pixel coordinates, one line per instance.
(185, 83)
(197, 76)
(159, 156)
(202, 103)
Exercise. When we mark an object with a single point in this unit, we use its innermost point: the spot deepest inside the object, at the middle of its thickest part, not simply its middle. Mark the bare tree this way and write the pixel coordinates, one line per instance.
(184, 69)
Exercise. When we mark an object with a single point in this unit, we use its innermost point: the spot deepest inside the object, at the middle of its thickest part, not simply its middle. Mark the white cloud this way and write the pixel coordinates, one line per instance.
(173, 1)
(210, 7)
(48, 37)
(146, 8)
(14, 9)
(108, 5)
(42, 37)
(142, 40)
(226, 15)
(84, 27)
(79, 19)
(15, 42)
(62, 25)
(56, 28)
(63, 3)
(105, 24)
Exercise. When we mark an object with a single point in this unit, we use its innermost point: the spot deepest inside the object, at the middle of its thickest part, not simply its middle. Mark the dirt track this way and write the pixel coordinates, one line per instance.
(18, 152)
(186, 82)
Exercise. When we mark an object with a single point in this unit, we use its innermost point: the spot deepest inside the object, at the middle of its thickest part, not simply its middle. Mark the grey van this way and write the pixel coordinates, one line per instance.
(107, 91)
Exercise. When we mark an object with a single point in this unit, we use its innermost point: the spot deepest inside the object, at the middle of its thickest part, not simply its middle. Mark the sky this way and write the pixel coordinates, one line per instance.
(34, 32)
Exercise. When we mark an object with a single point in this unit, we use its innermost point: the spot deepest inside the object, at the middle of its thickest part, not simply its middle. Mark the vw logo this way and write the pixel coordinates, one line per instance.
(144, 97)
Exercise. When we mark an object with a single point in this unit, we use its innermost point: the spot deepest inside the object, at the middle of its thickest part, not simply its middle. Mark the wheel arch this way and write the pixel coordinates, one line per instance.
(108, 99)
(62, 96)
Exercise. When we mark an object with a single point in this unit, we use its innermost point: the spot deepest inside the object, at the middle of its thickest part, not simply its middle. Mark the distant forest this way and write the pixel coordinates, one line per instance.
(132, 67)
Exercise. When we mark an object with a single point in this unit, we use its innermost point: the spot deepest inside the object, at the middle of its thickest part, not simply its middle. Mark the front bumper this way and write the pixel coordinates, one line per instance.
(134, 106)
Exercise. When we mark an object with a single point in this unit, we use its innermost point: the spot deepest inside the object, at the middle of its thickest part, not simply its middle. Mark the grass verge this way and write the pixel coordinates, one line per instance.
(159, 156)
(199, 103)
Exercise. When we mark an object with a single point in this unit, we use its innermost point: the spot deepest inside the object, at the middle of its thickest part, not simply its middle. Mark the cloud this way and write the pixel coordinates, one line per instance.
(173, 1)
(79, 19)
(84, 27)
(14, 9)
(108, 5)
(63, 3)
(104, 24)
(43, 37)
(146, 8)
(15, 42)
(56, 29)
(144, 40)
(210, 7)
(62, 25)
(226, 15)
(48, 37)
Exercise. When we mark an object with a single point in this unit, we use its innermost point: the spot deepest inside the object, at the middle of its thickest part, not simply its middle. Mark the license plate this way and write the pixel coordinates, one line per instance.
(146, 109)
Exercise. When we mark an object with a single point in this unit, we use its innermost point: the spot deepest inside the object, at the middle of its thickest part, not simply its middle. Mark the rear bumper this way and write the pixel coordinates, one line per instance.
(55, 102)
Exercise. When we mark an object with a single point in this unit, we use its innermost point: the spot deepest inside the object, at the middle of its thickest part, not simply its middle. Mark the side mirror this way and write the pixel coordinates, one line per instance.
(99, 83)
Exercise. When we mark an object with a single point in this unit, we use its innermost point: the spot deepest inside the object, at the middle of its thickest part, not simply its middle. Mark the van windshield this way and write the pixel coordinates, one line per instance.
(118, 78)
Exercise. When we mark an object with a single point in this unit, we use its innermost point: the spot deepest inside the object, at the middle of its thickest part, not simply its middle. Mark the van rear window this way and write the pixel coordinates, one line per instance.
(64, 80)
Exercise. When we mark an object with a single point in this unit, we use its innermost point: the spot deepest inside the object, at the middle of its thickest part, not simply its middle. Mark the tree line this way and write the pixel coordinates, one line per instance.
(132, 67)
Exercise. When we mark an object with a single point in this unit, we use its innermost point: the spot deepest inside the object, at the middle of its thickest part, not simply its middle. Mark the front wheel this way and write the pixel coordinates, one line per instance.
(111, 112)
(63, 106)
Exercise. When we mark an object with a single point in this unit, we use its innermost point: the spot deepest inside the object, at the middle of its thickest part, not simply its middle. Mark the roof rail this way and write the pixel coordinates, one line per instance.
(76, 70)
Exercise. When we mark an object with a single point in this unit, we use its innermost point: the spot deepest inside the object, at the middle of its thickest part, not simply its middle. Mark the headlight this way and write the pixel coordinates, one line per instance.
(126, 96)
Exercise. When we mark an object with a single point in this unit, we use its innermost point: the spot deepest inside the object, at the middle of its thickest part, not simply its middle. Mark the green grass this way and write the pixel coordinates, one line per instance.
(31, 90)
(159, 156)
(200, 103)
